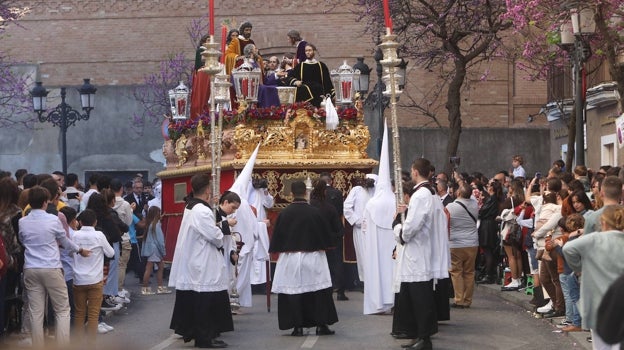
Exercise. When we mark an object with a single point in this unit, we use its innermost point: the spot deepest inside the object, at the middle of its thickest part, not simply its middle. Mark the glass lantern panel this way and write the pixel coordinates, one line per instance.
(39, 103)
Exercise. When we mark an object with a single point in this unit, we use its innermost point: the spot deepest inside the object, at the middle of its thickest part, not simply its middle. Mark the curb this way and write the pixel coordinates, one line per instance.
(521, 299)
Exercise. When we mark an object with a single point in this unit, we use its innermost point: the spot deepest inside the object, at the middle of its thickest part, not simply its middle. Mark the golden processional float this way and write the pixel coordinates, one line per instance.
(295, 141)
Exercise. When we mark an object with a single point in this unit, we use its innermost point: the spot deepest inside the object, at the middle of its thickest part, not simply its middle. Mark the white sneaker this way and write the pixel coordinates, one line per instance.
(124, 293)
(102, 329)
(119, 300)
(25, 342)
(110, 328)
(513, 285)
(546, 308)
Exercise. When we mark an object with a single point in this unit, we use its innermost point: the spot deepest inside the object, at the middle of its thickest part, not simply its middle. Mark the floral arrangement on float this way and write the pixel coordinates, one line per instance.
(244, 115)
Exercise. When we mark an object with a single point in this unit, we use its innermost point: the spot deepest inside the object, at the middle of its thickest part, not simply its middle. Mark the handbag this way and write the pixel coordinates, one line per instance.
(511, 232)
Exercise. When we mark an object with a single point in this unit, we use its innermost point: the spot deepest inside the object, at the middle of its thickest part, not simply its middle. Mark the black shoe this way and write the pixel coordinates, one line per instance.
(297, 332)
(402, 336)
(212, 344)
(457, 306)
(341, 296)
(324, 330)
(486, 280)
(419, 344)
(554, 313)
(510, 288)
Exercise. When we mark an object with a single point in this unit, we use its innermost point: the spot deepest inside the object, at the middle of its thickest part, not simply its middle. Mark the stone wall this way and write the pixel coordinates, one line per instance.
(105, 142)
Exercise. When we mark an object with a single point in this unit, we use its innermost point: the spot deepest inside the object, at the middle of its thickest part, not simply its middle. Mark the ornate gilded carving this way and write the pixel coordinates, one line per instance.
(181, 150)
(279, 182)
(303, 136)
(299, 141)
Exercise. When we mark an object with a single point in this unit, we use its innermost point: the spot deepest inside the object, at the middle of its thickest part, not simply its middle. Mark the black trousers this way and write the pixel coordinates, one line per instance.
(336, 267)
(417, 315)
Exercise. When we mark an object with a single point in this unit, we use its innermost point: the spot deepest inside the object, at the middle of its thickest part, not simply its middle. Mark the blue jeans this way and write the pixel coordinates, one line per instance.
(112, 283)
(571, 293)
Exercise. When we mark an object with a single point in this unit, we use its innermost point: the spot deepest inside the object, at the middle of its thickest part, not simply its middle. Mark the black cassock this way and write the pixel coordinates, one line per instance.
(316, 79)
(301, 227)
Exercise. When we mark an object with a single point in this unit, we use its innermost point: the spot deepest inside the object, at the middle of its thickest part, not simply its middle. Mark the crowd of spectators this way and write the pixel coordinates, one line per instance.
(68, 247)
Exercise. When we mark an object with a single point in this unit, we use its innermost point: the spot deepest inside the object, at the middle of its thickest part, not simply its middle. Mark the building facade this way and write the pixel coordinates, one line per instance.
(117, 43)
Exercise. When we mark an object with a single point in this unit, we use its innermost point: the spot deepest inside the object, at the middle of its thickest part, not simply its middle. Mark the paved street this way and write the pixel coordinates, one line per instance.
(491, 323)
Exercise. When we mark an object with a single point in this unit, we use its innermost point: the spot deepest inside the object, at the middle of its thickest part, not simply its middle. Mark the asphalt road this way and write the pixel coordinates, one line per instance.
(491, 323)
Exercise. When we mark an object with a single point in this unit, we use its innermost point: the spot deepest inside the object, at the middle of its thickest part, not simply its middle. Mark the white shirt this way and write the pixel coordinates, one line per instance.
(89, 270)
(519, 172)
(41, 233)
(85, 198)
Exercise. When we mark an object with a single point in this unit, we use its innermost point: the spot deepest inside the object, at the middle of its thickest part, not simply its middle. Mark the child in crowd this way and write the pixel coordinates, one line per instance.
(89, 274)
(154, 250)
(518, 170)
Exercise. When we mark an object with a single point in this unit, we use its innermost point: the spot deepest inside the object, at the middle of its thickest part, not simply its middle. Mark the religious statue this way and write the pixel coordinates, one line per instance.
(200, 129)
(300, 142)
(180, 150)
(201, 151)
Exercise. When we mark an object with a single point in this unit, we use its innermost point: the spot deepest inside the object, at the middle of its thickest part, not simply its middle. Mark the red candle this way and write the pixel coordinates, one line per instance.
(346, 90)
(245, 87)
(223, 40)
(388, 19)
(211, 16)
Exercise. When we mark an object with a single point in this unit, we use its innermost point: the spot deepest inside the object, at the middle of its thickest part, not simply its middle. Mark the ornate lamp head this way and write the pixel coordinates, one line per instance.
(246, 81)
(343, 79)
(178, 98)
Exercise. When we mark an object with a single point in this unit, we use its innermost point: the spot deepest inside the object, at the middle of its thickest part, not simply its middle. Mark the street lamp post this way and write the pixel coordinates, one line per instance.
(582, 26)
(63, 115)
(361, 85)
(377, 100)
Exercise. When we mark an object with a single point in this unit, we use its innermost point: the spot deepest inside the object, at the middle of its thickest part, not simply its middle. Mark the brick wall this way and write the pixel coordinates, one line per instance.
(119, 42)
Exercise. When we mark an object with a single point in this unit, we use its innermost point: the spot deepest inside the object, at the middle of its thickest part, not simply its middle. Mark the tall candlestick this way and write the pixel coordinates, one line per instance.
(388, 19)
(223, 40)
(211, 16)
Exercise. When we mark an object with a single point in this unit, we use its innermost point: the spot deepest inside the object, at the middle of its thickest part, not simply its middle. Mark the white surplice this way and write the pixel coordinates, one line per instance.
(196, 250)
(301, 272)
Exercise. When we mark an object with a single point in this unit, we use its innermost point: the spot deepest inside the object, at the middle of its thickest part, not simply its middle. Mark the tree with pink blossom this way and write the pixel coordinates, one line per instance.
(175, 68)
(539, 24)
